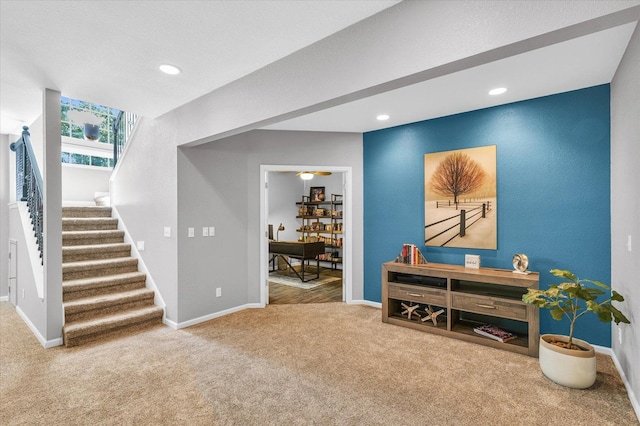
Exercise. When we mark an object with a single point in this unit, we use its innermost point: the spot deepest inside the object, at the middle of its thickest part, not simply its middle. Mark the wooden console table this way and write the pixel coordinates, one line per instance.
(467, 297)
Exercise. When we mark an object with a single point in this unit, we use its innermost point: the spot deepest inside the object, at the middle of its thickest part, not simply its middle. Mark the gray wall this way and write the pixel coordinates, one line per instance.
(212, 191)
(219, 185)
(625, 206)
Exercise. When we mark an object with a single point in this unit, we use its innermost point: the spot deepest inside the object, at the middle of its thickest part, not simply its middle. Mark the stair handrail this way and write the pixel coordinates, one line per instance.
(29, 185)
(122, 128)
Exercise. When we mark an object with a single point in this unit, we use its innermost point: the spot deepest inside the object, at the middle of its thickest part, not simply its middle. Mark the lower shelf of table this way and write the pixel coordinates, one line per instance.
(463, 330)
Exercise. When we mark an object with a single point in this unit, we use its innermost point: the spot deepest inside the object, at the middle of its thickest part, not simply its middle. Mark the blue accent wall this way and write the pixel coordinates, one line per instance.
(553, 174)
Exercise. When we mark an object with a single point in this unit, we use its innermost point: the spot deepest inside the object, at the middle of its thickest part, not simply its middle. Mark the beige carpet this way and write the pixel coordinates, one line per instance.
(314, 364)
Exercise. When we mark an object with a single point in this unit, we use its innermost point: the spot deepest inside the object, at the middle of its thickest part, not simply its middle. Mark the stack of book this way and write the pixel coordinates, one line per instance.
(411, 255)
(494, 333)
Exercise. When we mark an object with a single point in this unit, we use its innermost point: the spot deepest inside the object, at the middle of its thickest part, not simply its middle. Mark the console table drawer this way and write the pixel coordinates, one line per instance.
(418, 294)
(489, 305)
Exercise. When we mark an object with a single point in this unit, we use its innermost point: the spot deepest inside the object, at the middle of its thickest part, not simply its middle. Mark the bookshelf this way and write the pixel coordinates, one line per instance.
(467, 298)
(321, 221)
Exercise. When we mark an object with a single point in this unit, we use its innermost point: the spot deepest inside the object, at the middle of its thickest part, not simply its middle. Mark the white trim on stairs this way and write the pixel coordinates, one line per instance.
(142, 267)
(43, 341)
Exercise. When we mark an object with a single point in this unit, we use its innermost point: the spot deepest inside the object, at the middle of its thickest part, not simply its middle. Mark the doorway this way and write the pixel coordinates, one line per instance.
(289, 219)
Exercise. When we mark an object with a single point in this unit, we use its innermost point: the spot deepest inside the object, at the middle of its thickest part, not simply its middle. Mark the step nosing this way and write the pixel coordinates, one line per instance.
(108, 322)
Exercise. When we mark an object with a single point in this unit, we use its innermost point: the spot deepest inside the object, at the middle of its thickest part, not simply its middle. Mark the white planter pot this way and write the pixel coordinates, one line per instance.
(571, 368)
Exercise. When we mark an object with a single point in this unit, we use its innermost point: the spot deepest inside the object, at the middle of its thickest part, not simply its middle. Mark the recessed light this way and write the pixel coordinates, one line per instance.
(169, 69)
(497, 91)
(382, 117)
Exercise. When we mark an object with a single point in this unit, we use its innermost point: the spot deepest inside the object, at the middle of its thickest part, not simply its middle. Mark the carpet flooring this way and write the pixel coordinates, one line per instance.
(312, 364)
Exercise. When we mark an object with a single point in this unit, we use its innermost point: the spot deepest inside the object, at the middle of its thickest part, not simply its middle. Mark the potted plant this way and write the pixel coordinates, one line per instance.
(564, 359)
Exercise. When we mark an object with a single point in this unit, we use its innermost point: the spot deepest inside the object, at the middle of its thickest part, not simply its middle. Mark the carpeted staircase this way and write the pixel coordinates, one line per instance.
(103, 292)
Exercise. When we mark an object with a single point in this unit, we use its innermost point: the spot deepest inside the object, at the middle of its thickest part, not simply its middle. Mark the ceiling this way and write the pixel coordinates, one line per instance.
(575, 64)
(101, 51)
(107, 52)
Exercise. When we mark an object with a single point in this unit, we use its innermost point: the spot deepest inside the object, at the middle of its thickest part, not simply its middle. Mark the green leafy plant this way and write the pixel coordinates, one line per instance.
(573, 299)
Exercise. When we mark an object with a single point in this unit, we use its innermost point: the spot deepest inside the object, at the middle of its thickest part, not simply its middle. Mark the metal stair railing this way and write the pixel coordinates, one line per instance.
(122, 128)
(29, 184)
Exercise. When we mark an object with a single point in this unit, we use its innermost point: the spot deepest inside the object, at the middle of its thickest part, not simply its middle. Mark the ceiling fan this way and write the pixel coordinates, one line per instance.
(306, 175)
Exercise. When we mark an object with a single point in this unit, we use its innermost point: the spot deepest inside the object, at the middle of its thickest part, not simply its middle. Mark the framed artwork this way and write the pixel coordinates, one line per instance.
(316, 194)
(460, 200)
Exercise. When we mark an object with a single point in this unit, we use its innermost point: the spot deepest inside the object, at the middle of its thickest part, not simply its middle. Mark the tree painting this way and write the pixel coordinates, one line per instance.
(460, 200)
(457, 175)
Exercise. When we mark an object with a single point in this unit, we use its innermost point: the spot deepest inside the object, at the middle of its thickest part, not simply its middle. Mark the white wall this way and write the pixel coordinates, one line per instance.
(80, 183)
(285, 190)
(5, 190)
(144, 191)
(625, 207)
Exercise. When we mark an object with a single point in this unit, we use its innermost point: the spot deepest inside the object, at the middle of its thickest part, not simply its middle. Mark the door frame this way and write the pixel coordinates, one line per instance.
(347, 253)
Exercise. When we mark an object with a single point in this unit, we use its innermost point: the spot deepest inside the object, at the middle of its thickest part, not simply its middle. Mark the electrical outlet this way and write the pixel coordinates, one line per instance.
(205, 231)
(191, 232)
(212, 231)
(218, 292)
(167, 232)
(140, 245)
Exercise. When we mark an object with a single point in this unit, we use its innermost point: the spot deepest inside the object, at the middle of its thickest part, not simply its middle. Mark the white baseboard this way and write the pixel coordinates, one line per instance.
(632, 396)
(4, 298)
(603, 350)
(366, 303)
(209, 317)
(44, 342)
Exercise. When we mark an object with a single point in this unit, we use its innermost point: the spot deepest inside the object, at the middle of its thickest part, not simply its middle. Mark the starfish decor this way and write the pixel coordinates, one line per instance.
(432, 315)
(410, 310)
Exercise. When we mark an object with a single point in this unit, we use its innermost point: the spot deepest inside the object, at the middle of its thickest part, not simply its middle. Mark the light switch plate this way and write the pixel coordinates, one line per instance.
(205, 231)
(140, 245)
(192, 233)
(167, 232)
(212, 231)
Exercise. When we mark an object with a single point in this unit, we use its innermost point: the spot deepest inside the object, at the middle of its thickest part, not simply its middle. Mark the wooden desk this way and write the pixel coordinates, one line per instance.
(298, 250)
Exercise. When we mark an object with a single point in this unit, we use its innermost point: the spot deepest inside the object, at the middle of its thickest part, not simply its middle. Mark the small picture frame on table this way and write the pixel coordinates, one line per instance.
(316, 194)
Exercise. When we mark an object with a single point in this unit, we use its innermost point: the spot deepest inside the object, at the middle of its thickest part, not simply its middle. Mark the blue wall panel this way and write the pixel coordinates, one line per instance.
(553, 190)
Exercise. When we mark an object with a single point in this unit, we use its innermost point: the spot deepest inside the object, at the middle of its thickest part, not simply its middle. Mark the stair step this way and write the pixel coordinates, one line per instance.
(83, 331)
(89, 223)
(86, 211)
(87, 287)
(83, 238)
(98, 268)
(106, 304)
(95, 251)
